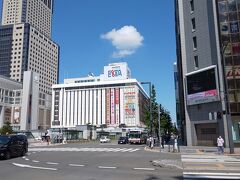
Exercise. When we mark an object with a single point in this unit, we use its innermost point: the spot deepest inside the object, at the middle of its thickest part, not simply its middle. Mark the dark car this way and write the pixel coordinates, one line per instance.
(123, 140)
(13, 146)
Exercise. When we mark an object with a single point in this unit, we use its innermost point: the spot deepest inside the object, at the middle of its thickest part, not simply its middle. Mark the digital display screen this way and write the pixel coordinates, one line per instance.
(202, 87)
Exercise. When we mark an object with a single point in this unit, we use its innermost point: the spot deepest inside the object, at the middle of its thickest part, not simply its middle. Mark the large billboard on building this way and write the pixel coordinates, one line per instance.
(117, 71)
(202, 86)
(130, 106)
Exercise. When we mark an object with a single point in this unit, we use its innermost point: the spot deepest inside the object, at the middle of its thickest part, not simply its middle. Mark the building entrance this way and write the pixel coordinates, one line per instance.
(207, 134)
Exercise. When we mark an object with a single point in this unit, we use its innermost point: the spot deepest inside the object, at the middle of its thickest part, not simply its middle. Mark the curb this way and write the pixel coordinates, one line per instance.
(163, 163)
(157, 150)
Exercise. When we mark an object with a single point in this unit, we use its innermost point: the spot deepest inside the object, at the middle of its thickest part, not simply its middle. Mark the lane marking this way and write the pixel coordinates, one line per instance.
(77, 165)
(34, 167)
(211, 173)
(146, 169)
(35, 161)
(52, 163)
(106, 167)
(26, 159)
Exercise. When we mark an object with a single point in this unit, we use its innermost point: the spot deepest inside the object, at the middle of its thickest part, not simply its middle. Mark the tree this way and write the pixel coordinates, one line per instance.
(165, 118)
(6, 129)
(166, 121)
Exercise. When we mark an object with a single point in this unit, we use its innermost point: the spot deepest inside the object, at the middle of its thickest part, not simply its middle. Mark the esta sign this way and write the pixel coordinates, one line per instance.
(114, 73)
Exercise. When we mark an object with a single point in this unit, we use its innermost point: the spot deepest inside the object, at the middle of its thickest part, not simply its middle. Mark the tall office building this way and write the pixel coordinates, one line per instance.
(208, 52)
(26, 45)
(38, 13)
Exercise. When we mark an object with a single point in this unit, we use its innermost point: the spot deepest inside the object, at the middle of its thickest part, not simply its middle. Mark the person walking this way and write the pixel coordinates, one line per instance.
(151, 142)
(220, 143)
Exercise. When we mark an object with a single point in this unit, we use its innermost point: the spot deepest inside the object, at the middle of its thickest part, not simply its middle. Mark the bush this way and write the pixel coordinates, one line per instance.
(6, 129)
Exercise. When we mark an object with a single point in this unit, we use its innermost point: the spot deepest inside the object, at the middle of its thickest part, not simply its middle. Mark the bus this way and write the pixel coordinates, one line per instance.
(137, 137)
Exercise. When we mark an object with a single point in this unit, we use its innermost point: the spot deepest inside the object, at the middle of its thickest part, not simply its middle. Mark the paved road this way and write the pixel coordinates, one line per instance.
(90, 161)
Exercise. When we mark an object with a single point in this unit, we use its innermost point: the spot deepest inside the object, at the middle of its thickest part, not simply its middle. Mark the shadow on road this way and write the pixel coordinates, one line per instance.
(152, 177)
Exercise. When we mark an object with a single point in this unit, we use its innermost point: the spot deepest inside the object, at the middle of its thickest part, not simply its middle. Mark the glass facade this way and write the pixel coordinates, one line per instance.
(6, 33)
(229, 22)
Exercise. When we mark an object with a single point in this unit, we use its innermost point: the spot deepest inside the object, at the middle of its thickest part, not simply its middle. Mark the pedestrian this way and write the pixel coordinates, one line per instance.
(162, 141)
(151, 142)
(220, 143)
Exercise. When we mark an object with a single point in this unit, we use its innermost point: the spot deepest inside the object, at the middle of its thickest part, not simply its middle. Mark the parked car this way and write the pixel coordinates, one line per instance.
(104, 139)
(13, 146)
(123, 140)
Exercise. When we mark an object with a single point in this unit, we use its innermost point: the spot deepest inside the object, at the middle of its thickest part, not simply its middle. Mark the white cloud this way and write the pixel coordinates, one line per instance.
(126, 40)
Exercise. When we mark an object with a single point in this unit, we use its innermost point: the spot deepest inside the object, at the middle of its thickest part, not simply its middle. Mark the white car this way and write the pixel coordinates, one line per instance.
(104, 139)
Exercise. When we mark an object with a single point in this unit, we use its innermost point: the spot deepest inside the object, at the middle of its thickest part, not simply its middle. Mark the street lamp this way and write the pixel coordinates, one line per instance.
(226, 106)
(150, 104)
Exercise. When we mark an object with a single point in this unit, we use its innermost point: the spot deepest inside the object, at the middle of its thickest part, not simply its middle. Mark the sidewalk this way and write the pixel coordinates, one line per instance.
(42, 144)
(186, 150)
(192, 150)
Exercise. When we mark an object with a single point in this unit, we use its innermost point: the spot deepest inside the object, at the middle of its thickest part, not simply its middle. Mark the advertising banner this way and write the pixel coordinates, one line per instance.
(236, 48)
(202, 97)
(234, 27)
(130, 105)
(224, 28)
(233, 72)
(16, 117)
(117, 101)
(108, 111)
(112, 107)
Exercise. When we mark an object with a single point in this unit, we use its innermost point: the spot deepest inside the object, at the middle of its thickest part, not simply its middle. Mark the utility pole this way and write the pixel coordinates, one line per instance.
(159, 127)
(227, 120)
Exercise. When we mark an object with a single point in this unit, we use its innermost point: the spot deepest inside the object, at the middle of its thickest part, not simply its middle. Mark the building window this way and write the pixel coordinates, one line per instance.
(193, 24)
(196, 65)
(194, 43)
(192, 5)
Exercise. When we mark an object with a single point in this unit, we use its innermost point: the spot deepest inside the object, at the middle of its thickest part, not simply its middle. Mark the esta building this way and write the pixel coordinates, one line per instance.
(112, 99)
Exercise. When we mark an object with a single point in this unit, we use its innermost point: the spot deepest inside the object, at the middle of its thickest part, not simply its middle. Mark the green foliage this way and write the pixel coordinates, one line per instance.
(165, 118)
(6, 129)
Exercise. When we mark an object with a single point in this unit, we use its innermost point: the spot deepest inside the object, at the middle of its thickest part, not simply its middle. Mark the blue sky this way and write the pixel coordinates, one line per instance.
(79, 27)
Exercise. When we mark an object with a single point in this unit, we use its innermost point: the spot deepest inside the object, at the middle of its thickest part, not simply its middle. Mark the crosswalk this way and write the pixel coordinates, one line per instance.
(202, 166)
(83, 149)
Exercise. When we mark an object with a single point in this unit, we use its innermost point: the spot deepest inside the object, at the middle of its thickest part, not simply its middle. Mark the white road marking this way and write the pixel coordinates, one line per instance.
(35, 161)
(206, 175)
(77, 165)
(106, 167)
(34, 167)
(86, 149)
(52, 163)
(26, 159)
(146, 169)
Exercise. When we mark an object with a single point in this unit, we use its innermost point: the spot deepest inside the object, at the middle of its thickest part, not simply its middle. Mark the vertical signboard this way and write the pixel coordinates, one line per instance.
(16, 118)
(112, 107)
(130, 105)
(117, 105)
(108, 106)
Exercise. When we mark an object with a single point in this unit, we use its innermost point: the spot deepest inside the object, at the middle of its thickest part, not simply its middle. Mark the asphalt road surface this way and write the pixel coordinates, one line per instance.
(90, 161)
